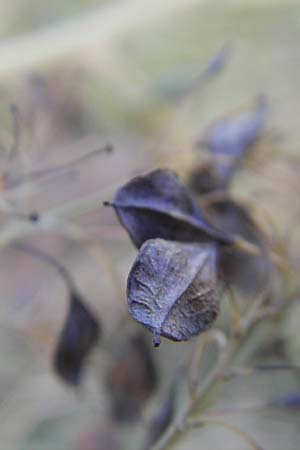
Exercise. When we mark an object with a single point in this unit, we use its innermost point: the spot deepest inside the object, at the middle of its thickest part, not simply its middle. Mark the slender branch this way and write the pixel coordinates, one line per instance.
(245, 246)
(261, 368)
(46, 257)
(195, 423)
(177, 429)
(16, 131)
(18, 230)
(211, 336)
(235, 308)
(61, 168)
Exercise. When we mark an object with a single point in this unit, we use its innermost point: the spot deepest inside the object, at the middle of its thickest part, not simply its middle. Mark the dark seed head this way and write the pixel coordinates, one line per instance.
(33, 216)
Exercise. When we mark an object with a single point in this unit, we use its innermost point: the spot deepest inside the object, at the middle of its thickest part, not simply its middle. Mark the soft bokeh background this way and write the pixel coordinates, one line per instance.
(84, 73)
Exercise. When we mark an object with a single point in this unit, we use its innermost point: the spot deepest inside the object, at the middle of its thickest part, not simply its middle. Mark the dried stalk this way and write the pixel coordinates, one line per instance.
(225, 361)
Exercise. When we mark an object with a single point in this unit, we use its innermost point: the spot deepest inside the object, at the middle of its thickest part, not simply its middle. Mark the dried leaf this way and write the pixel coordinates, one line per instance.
(132, 378)
(171, 289)
(248, 272)
(158, 205)
(78, 337)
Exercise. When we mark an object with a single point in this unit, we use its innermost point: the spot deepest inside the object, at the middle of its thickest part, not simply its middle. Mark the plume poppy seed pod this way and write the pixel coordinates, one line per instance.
(290, 400)
(230, 139)
(79, 335)
(171, 289)
(158, 205)
(247, 272)
(131, 378)
(204, 179)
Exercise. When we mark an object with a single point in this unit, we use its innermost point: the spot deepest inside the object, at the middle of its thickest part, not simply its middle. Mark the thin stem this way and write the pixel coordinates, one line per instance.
(245, 246)
(49, 259)
(236, 313)
(77, 233)
(16, 132)
(176, 430)
(40, 174)
(259, 369)
(49, 223)
(210, 336)
(194, 423)
(257, 407)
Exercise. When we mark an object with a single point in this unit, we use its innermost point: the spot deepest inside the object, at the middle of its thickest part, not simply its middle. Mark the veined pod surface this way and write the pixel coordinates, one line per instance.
(171, 288)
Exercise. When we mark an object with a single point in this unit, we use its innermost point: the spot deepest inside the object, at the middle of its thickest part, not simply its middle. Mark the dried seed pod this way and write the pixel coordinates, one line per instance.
(132, 378)
(229, 141)
(78, 337)
(248, 272)
(290, 400)
(175, 86)
(158, 205)
(171, 289)
(204, 179)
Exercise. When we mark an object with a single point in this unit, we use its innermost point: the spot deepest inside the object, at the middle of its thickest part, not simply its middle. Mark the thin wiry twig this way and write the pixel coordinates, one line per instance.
(46, 257)
(19, 230)
(16, 131)
(260, 369)
(195, 423)
(211, 336)
(56, 170)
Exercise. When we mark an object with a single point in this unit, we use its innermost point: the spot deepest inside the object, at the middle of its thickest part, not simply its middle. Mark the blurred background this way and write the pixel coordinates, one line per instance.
(148, 79)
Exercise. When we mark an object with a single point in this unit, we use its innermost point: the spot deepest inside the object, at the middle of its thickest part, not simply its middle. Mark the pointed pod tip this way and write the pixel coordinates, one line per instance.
(106, 203)
(156, 340)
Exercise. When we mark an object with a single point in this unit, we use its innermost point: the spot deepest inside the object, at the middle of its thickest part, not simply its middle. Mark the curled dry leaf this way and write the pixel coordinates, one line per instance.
(171, 289)
(158, 205)
(78, 337)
